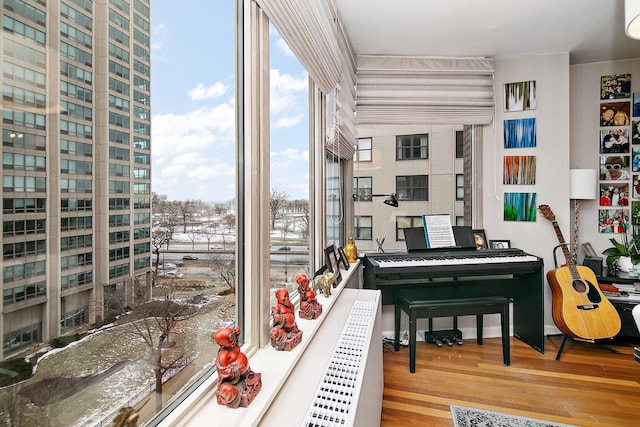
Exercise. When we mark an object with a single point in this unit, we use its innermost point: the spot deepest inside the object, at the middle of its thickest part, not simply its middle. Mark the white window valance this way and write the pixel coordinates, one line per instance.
(419, 90)
(309, 29)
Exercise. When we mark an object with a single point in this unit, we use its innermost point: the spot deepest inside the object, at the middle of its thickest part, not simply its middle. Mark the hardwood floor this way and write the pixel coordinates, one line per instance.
(588, 386)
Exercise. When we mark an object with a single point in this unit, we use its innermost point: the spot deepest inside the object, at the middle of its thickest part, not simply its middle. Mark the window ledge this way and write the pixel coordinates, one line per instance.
(275, 367)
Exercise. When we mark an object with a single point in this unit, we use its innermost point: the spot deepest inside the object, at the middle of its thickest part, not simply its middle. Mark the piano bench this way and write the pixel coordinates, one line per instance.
(449, 301)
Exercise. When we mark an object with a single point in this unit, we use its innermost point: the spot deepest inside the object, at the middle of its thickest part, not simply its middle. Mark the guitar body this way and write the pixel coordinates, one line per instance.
(579, 308)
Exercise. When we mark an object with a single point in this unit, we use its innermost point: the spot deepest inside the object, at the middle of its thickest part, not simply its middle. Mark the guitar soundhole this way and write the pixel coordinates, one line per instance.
(593, 295)
(579, 286)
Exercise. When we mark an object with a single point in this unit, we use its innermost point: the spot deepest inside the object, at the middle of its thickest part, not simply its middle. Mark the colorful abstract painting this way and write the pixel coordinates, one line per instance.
(520, 207)
(520, 133)
(519, 170)
(520, 96)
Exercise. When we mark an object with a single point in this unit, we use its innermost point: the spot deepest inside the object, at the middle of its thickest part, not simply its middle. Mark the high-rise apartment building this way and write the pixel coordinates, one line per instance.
(76, 164)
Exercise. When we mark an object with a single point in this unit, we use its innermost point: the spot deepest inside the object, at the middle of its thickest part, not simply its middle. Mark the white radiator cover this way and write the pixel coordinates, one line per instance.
(339, 379)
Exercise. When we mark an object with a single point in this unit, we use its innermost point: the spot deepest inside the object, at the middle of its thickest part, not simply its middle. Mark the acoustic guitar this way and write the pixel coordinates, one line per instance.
(579, 308)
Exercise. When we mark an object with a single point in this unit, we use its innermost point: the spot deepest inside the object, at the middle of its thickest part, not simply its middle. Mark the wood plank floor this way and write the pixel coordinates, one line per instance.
(588, 386)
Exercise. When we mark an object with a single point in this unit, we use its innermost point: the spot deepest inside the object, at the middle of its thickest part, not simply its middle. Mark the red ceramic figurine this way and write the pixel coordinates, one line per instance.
(310, 308)
(237, 383)
(285, 334)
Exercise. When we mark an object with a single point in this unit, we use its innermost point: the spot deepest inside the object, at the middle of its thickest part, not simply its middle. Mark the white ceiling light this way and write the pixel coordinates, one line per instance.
(632, 18)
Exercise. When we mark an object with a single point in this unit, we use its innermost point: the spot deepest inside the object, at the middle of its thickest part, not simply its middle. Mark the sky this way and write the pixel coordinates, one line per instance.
(193, 105)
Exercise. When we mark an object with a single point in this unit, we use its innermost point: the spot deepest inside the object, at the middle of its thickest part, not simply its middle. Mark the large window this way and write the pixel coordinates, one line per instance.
(240, 197)
(289, 168)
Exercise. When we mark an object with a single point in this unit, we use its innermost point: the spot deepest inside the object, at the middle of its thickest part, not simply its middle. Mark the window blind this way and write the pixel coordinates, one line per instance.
(419, 90)
(341, 135)
(309, 29)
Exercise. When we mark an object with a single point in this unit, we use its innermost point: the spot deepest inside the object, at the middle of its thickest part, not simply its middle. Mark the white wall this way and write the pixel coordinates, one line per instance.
(585, 133)
(551, 73)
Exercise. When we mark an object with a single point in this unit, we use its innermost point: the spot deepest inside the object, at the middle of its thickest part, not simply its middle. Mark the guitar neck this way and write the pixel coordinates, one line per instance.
(565, 251)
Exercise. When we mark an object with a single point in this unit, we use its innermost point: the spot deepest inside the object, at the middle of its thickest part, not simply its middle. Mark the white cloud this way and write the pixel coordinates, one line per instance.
(288, 122)
(201, 92)
(285, 91)
(193, 152)
(284, 48)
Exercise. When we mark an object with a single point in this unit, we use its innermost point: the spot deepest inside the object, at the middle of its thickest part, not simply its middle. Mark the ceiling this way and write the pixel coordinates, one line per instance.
(590, 30)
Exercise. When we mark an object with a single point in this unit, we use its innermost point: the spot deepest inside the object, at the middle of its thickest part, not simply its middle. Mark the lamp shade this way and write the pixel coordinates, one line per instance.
(582, 184)
(632, 18)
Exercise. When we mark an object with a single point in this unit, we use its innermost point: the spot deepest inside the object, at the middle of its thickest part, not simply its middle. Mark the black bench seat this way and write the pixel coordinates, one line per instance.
(445, 301)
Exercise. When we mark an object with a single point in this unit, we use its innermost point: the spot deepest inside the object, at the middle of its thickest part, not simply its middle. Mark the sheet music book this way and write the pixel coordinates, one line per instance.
(438, 232)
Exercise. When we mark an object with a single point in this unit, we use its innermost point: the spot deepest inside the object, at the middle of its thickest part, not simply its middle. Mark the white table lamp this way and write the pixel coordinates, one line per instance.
(582, 186)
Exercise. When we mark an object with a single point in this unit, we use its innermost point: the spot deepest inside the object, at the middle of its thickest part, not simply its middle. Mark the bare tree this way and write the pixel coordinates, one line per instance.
(224, 267)
(193, 234)
(208, 232)
(187, 211)
(159, 237)
(166, 216)
(304, 209)
(277, 203)
(154, 322)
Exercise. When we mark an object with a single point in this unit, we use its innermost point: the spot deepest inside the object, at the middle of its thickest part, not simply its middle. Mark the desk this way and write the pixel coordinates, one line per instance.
(628, 330)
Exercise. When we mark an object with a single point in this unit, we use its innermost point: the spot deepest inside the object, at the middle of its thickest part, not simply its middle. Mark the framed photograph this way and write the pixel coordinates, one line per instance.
(331, 261)
(588, 249)
(480, 239)
(499, 244)
(342, 258)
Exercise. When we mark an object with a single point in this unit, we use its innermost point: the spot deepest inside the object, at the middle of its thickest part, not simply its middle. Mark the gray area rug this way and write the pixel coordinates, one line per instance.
(471, 417)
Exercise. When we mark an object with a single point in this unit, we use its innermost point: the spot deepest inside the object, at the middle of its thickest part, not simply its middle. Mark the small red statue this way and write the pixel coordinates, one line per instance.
(310, 308)
(285, 334)
(238, 385)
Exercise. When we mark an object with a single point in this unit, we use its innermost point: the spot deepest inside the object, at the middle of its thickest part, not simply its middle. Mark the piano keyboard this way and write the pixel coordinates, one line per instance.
(427, 261)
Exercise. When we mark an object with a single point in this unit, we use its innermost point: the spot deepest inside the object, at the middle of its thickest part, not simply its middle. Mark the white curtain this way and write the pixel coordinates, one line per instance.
(308, 27)
(312, 30)
(341, 135)
(419, 90)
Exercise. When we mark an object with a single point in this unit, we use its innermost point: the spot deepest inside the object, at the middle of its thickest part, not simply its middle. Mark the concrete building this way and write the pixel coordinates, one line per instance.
(422, 165)
(76, 164)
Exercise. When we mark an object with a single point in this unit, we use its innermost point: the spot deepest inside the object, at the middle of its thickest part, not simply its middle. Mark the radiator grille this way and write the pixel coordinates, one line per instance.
(334, 397)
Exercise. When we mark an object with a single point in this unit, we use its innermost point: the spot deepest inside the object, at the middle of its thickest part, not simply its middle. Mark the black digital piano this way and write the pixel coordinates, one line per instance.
(508, 272)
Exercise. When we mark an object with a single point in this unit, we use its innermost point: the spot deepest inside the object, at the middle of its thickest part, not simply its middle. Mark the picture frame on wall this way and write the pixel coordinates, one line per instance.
(331, 261)
(480, 238)
(616, 86)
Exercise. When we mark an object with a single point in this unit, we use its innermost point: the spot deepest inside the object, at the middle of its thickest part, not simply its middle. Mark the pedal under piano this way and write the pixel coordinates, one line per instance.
(507, 272)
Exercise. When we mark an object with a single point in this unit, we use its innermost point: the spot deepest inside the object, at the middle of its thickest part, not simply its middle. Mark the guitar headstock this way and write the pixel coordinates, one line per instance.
(546, 211)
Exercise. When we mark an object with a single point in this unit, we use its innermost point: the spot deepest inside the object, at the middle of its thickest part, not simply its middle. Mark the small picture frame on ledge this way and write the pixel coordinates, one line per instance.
(499, 244)
(480, 239)
(331, 261)
(342, 258)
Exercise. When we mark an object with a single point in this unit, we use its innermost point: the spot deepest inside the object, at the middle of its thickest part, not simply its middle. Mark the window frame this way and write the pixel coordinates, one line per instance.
(407, 193)
(408, 143)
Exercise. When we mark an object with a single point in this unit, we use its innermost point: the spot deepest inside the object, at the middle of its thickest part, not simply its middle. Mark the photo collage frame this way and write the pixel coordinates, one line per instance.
(619, 158)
